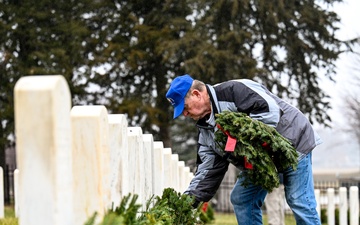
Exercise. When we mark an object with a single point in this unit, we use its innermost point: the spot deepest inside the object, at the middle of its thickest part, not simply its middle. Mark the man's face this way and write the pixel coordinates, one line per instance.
(197, 105)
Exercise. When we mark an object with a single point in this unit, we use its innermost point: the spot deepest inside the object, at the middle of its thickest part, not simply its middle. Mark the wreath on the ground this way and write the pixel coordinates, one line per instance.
(261, 145)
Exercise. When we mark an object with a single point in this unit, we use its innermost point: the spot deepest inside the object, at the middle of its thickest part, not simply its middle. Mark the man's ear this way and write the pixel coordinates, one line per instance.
(196, 93)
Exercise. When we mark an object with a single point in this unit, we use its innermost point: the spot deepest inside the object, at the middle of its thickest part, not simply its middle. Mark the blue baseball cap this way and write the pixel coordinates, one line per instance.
(179, 87)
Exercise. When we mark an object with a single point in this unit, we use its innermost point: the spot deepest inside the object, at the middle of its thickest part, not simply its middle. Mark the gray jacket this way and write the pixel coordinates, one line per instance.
(256, 101)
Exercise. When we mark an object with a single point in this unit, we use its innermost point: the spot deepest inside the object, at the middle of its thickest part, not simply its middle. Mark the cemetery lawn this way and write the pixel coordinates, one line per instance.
(9, 217)
(229, 219)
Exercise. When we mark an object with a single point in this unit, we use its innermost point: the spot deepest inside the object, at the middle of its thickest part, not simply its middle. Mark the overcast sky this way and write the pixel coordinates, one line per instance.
(346, 67)
(340, 150)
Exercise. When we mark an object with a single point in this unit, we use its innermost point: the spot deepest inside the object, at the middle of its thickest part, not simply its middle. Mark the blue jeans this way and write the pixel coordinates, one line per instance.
(299, 194)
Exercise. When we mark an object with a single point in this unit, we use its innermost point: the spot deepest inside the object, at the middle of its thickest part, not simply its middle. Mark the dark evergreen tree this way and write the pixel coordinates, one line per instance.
(282, 44)
(139, 64)
(44, 38)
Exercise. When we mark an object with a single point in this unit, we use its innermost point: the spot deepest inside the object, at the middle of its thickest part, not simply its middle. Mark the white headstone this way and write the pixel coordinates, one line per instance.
(16, 193)
(175, 172)
(136, 166)
(148, 153)
(191, 176)
(331, 206)
(181, 167)
(167, 168)
(43, 146)
(158, 168)
(343, 205)
(354, 205)
(118, 152)
(91, 165)
(187, 177)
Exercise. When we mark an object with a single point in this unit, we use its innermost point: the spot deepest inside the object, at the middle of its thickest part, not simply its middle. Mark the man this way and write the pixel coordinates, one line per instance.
(201, 102)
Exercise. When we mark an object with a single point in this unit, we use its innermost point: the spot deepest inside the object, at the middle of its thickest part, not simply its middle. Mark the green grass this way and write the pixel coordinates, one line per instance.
(9, 217)
(229, 219)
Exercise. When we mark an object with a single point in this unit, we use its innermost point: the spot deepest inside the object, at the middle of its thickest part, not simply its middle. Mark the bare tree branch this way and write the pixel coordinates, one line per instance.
(352, 102)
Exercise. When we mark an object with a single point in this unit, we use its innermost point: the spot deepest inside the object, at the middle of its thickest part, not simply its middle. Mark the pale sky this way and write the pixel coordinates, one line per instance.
(346, 67)
(339, 149)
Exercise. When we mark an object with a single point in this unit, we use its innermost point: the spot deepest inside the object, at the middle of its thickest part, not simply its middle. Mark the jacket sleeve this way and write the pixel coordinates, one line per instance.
(209, 174)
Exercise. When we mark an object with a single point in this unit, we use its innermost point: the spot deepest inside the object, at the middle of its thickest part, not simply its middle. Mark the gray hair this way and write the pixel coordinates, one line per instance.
(199, 85)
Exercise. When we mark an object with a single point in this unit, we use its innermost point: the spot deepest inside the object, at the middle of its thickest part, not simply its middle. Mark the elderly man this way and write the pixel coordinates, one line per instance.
(201, 102)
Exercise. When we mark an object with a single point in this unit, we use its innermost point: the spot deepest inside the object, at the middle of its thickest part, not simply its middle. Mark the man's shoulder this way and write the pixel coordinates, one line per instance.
(238, 85)
(246, 82)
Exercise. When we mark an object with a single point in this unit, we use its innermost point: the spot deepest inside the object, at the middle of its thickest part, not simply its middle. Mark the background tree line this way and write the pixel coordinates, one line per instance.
(123, 54)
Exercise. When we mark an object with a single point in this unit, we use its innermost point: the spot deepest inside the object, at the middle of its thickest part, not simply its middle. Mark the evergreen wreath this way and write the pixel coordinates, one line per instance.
(261, 145)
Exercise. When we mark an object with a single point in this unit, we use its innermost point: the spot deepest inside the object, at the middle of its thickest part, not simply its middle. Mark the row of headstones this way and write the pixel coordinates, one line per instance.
(74, 161)
(348, 205)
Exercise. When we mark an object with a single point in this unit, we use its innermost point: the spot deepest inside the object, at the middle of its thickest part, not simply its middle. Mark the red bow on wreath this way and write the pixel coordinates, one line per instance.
(231, 144)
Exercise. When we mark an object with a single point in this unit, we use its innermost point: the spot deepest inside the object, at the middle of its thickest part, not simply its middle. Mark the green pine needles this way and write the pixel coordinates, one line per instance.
(267, 150)
(169, 209)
